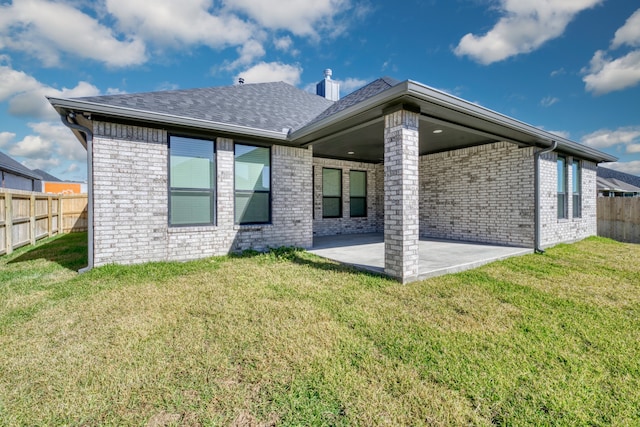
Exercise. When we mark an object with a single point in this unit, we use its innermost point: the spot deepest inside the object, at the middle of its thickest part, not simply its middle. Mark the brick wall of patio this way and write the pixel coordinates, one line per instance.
(482, 194)
(372, 223)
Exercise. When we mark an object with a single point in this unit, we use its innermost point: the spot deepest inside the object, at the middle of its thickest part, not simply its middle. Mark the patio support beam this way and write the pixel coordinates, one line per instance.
(401, 224)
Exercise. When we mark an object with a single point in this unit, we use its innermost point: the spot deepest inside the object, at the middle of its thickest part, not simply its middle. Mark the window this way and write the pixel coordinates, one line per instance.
(331, 193)
(562, 187)
(358, 193)
(253, 184)
(576, 184)
(191, 181)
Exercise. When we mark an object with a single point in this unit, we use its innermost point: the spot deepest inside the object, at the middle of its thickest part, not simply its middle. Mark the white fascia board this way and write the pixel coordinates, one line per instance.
(163, 118)
(419, 90)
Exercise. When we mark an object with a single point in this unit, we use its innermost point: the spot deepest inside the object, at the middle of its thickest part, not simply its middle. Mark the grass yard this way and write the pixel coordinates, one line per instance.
(288, 338)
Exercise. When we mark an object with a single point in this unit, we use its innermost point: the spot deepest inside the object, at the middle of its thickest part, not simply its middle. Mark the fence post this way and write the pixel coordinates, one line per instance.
(49, 216)
(32, 219)
(60, 217)
(8, 228)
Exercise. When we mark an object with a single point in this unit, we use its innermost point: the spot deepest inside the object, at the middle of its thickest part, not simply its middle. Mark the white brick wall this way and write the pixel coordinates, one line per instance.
(131, 201)
(483, 194)
(373, 222)
(130, 193)
(554, 230)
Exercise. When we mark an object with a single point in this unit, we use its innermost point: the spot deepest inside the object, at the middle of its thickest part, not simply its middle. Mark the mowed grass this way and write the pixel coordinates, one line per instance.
(288, 338)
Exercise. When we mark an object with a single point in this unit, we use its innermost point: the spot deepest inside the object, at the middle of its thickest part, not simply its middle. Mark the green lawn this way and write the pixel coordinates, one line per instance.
(288, 338)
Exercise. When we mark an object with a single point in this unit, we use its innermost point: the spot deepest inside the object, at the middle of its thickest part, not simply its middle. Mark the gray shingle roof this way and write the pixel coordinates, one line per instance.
(46, 176)
(11, 165)
(620, 176)
(612, 184)
(268, 106)
(362, 94)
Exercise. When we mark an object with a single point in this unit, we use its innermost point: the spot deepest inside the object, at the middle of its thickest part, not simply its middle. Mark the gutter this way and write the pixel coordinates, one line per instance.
(68, 119)
(536, 184)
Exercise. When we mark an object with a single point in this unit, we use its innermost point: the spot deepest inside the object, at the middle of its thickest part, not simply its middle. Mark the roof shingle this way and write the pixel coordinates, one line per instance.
(268, 106)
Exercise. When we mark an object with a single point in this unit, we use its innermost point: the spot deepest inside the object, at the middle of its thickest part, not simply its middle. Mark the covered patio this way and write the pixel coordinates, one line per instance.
(436, 256)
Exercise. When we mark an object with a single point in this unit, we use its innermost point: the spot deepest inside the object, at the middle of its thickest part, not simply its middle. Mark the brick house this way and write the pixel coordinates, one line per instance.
(178, 175)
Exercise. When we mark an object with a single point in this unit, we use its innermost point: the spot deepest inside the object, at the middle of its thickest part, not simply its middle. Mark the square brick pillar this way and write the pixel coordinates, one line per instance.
(401, 222)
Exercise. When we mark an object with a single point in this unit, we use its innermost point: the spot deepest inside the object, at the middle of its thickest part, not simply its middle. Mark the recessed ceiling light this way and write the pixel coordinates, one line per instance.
(437, 131)
(351, 152)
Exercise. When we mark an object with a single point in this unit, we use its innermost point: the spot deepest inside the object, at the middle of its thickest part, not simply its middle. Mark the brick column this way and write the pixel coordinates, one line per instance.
(401, 222)
(225, 183)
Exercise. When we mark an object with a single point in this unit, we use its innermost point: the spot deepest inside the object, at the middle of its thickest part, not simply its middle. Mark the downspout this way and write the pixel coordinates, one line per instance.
(68, 121)
(536, 183)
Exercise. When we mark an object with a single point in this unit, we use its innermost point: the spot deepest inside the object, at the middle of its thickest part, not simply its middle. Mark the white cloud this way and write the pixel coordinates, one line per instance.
(6, 138)
(46, 28)
(632, 167)
(303, 18)
(606, 75)
(26, 95)
(629, 33)
(13, 82)
(558, 72)
(633, 148)
(271, 72)
(170, 22)
(605, 138)
(49, 146)
(32, 146)
(524, 27)
(548, 101)
(66, 145)
(247, 54)
(283, 43)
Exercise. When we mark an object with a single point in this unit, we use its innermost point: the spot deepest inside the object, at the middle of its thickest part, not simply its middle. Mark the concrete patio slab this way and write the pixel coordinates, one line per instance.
(437, 257)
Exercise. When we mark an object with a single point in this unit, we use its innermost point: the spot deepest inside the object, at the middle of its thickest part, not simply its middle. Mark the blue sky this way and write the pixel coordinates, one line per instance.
(568, 66)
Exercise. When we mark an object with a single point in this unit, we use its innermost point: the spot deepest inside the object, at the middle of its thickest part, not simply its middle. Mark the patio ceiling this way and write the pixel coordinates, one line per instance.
(366, 143)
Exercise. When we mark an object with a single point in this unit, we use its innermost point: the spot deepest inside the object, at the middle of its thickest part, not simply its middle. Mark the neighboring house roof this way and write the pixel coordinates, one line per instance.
(281, 112)
(46, 176)
(613, 184)
(11, 165)
(622, 177)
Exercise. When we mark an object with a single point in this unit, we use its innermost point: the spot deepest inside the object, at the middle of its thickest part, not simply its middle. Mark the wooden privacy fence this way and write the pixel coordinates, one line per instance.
(619, 218)
(26, 217)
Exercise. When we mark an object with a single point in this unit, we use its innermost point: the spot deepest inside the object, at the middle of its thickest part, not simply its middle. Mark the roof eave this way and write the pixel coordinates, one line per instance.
(61, 104)
(424, 93)
(20, 173)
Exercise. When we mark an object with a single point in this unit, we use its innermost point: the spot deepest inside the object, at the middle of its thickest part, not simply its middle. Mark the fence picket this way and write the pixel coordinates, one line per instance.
(23, 220)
